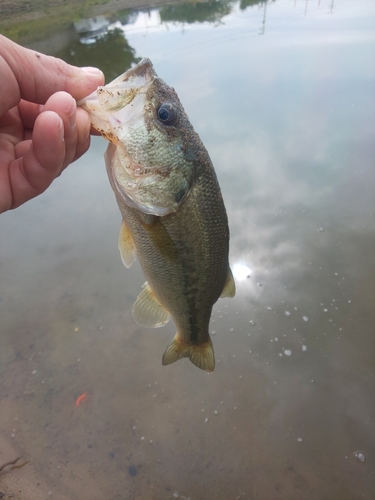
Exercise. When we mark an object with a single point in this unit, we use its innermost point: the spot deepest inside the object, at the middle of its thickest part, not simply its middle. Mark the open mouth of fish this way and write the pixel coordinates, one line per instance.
(106, 104)
(122, 112)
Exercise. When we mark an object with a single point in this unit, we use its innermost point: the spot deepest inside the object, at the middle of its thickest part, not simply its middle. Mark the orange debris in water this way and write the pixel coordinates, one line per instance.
(82, 398)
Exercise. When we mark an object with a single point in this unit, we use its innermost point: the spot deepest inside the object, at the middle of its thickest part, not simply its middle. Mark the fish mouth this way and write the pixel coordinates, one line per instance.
(123, 112)
(143, 70)
(125, 87)
(106, 103)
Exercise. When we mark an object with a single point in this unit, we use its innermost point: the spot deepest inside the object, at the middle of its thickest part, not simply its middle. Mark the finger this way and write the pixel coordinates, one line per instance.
(48, 151)
(83, 127)
(10, 91)
(93, 131)
(83, 133)
(11, 126)
(23, 147)
(33, 172)
(35, 77)
(65, 106)
(29, 111)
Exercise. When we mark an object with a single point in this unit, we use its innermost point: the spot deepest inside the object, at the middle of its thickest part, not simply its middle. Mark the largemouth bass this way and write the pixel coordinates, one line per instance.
(174, 219)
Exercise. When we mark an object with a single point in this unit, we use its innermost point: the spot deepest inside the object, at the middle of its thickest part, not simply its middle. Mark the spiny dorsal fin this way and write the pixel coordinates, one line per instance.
(126, 245)
(201, 355)
(147, 310)
(229, 289)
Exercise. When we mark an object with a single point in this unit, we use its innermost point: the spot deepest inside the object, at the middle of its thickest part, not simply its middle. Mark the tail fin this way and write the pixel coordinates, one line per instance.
(201, 355)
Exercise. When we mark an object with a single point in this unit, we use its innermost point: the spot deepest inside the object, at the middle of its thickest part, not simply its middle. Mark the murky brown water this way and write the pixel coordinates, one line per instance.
(288, 117)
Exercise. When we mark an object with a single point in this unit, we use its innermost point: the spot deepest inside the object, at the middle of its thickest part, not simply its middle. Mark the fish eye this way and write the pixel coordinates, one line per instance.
(167, 113)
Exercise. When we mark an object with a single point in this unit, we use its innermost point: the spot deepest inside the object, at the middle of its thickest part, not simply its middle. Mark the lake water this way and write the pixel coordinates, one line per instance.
(282, 95)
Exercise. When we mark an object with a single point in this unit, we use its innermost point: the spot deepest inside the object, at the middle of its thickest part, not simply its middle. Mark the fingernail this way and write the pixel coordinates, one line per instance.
(60, 128)
(92, 70)
(72, 118)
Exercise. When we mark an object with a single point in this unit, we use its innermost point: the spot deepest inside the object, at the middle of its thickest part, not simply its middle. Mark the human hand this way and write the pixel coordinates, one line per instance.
(41, 129)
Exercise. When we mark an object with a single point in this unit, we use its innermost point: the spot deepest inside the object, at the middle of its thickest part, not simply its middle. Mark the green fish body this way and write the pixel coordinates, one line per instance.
(174, 218)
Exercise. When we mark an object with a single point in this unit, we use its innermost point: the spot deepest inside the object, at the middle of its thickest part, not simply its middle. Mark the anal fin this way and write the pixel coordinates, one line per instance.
(229, 289)
(201, 355)
(147, 310)
(126, 245)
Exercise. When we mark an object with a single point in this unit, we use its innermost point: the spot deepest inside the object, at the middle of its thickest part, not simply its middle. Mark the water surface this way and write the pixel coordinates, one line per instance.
(282, 95)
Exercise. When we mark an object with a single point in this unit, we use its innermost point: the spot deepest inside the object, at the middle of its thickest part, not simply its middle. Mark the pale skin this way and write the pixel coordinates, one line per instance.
(41, 129)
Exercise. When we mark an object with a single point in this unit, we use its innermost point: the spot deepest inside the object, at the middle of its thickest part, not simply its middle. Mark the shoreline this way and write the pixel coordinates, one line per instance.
(27, 22)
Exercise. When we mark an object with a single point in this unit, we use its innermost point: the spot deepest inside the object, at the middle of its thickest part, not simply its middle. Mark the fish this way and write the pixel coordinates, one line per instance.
(173, 215)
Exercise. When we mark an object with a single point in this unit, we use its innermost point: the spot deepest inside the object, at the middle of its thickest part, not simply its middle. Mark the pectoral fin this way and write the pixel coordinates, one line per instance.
(161, 239)
(126, 246)
(147, 310)
(201, 355)
(229, 289)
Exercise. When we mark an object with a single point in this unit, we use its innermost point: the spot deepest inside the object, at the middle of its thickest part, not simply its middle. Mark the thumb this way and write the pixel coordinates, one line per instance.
(34, 77)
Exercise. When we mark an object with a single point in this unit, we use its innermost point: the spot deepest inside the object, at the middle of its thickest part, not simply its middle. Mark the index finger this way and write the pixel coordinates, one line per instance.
(30, 111)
